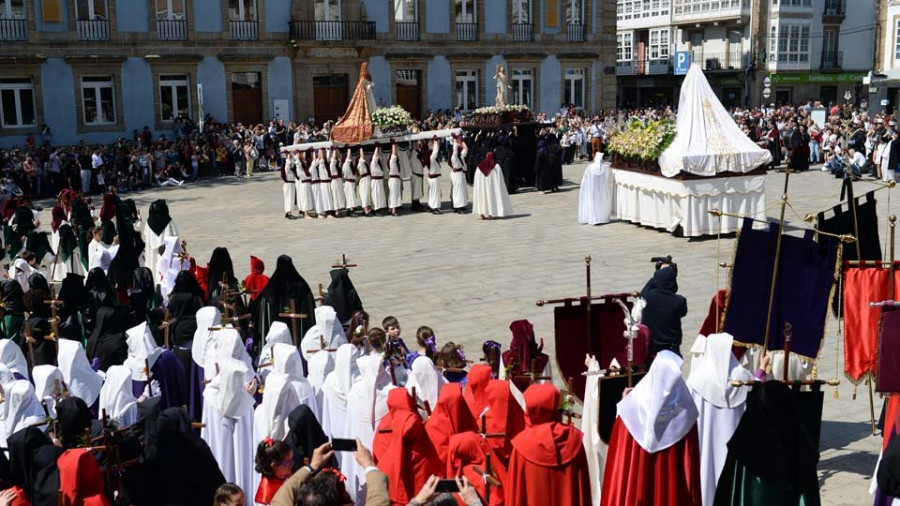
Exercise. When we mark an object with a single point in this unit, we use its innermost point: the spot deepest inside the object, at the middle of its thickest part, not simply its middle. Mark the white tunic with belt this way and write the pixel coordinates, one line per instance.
(376, 169)
(434, 181)
(459, 191)
(350, 194)
(395, 183)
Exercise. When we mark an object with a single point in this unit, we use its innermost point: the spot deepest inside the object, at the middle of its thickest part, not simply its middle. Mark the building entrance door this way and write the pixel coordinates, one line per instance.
(329, 97)
(409, 95)
(246, 98)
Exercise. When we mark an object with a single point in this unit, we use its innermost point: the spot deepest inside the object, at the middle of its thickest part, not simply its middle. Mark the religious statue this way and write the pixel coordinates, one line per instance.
(356, 124)
(502, 87)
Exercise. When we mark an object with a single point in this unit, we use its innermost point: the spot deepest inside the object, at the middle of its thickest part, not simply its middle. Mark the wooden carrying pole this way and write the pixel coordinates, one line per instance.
(784, 201)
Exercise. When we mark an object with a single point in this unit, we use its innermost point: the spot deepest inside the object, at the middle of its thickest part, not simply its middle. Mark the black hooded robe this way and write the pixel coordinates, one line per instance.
(285, 285)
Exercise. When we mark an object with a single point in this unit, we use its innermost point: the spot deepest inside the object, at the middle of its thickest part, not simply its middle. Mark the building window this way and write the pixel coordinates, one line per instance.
(243, 10)
(523, 87)
(574, 88)
(51, 11)
(12, 9)
(574, 12)
(797, 3)
(170, 10)
(659, 44)
(406, 11)
(87, 10)
(98, 100)
(623, 46)
(793, 43)
(521, 11)
(465, 11)
(17, 107)
(174, 97)
(897, 42)
(467, 90)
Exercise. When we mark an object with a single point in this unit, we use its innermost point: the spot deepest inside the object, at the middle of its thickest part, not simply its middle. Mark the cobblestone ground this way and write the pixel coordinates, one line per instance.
(468, 279)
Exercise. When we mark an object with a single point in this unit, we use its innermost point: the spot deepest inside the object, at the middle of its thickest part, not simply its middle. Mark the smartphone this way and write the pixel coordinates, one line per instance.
(343, 445)
(447, 486)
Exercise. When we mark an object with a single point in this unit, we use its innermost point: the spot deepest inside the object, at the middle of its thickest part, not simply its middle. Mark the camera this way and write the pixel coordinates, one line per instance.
(666, 260)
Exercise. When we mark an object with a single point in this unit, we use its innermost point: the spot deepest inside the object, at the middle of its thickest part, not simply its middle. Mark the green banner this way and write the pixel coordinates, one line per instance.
(848, 77)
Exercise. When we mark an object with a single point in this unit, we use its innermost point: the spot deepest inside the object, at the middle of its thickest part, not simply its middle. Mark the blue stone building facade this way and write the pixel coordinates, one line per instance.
(95, 70)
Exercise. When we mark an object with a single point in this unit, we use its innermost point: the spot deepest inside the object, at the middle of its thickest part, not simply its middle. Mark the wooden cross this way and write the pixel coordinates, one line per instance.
(294, 316)
(223, 325)
(425, 405)
(343, 263)
(533, 375)
(489, 479)
(392, 371)
(166, 325)
(484, 433)
(54, 319)
(320, 299)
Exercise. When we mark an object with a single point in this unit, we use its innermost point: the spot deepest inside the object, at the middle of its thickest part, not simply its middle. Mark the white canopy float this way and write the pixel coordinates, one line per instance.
(708, 141)
(407, 137)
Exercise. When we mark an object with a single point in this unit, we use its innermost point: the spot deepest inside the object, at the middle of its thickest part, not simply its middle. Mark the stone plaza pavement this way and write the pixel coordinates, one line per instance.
(468, 279)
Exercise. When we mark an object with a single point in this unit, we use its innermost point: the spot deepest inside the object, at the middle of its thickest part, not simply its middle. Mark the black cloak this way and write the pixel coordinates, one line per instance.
(665, 309)
(342, 295)
(305, 434)
(108, 342)
(158, 218)
(285, 285)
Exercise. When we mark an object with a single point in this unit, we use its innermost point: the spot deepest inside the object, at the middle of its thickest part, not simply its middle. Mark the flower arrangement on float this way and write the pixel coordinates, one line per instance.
(504, 114)
(640, 143)
(392, 120)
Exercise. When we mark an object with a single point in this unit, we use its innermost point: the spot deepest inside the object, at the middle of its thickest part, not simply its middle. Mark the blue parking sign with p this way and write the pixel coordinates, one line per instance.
(682, 62)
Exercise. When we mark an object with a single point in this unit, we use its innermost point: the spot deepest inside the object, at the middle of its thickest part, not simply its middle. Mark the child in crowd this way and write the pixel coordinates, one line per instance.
(453, 362)
(274, 461)
(427, 345)
(229, 494)
(395, 343)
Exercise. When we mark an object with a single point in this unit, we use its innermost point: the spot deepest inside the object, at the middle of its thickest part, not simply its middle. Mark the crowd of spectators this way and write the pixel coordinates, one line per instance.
(846, 139)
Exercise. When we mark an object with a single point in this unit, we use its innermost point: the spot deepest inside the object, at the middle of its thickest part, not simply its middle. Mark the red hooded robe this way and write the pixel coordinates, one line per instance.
(466, 451)
(476, 388)
(398, 402)
(451, 416)
(256, 280)
(524, 352)
(410, 458)
(80, 480)
(504, 415)
(548, 464)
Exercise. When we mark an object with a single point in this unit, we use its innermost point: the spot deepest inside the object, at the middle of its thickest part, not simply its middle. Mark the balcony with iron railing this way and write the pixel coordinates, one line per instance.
(832, 60)
(576, 33)
(644, 66)
(789, 62)
(467, 31)
(523, 32)
(13, 29)
(407, 30)
(698, 11)
(244, 30)
(338, 30)
(92, 29)
(728, 61)
(835, 10)
(172, 29)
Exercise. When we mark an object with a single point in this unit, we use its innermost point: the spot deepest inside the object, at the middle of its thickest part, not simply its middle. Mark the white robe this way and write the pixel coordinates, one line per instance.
(376, 169)
(305, 199)
(335, 390)
(720, 404)
(21, 408)
(142, 351)
(117, 398)
(289, 186)
(434, 181)
(81, 379)
(337, 185)
(228, 415)
(364, 183)
(459, 191)
(416, 181)
(279, 399)
(324, 202)
(278, 333)
(351, 196)
(46, 379)
(169, 265)
(287, 361)
(595, 196)
(489, 197)
(60, 268)
(593, 446)
(95, 250)
(152, 243)
(425, 379)
(12, 357)
(395, 183)
(367, 404)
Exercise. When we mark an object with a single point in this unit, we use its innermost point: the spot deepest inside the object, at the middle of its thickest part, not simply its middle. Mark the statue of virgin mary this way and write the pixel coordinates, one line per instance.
(356, 124)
